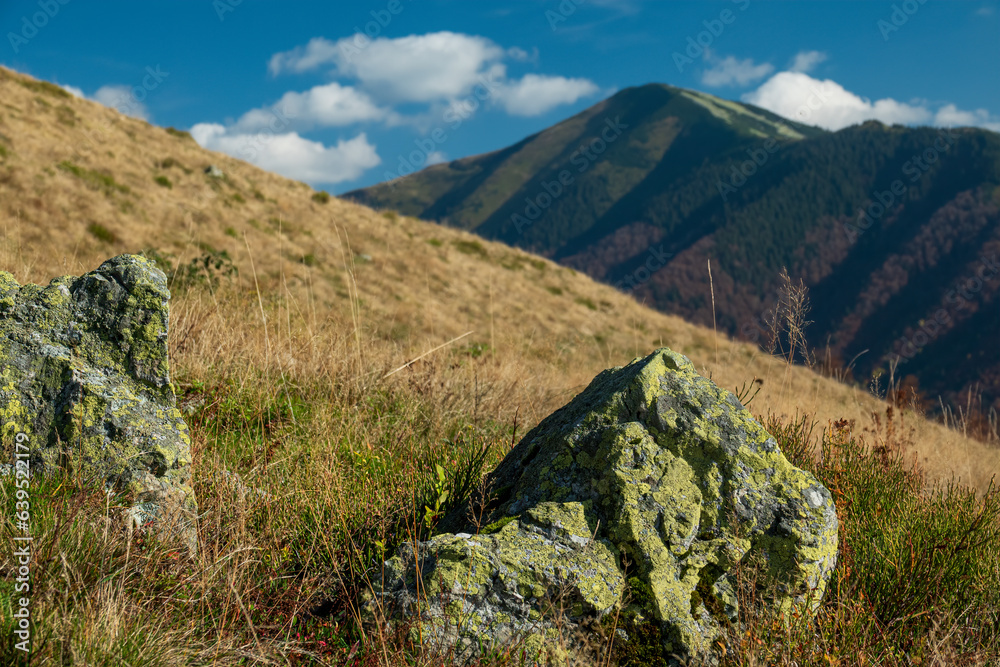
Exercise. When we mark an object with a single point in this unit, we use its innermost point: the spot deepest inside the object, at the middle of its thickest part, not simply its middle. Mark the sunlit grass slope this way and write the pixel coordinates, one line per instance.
(80, 183)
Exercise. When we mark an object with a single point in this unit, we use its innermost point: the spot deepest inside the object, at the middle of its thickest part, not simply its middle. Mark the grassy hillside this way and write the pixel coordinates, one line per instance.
(322, 355)
(80, 183)
(693, 177)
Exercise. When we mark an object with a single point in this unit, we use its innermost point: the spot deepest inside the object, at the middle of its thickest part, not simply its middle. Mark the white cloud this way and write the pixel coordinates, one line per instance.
(522, 56)
(318, 52)
(826, 103)
(329, 105)
(417, 68)
(536, 94)
(436, 157)
(291, 155)
(984, 11)
(73, 90)
(435, 68)
(949, 115)
(805, 61)
(731, 71)
(122, 99)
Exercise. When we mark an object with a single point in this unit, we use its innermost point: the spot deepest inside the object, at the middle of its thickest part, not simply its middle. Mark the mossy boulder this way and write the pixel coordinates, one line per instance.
(642, 496)
(84, 374)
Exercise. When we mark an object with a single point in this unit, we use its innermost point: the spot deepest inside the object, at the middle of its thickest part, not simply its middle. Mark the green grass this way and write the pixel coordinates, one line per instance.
(470, 248)
(101, 233)
(44, 87)
(180, 134)
(95, 180)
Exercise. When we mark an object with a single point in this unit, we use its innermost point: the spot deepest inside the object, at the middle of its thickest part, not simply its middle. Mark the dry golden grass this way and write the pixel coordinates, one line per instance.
(396, 287)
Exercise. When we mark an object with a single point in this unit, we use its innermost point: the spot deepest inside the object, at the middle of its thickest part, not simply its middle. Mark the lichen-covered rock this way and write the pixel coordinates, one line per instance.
(652, 480)
(84, 374)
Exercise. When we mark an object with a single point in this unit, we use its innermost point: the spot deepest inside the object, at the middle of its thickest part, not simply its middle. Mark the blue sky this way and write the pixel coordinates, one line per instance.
(300, 89)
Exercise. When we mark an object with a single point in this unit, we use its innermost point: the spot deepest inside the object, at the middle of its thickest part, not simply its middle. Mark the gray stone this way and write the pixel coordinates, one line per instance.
(652, 465)
(84, 374)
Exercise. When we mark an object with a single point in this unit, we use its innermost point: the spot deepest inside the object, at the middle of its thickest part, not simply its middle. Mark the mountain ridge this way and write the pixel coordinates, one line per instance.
(881, 223)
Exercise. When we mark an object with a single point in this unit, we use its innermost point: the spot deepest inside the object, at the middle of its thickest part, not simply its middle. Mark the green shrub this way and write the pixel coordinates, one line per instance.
(470, 247)
(45, 87)
(66, 116)
(586, 303)
(554, 290)
(163, 181)
(101, 233)
(308, 259)
(435, 242)
(321, 197)
(232, 232)
(180, 134)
